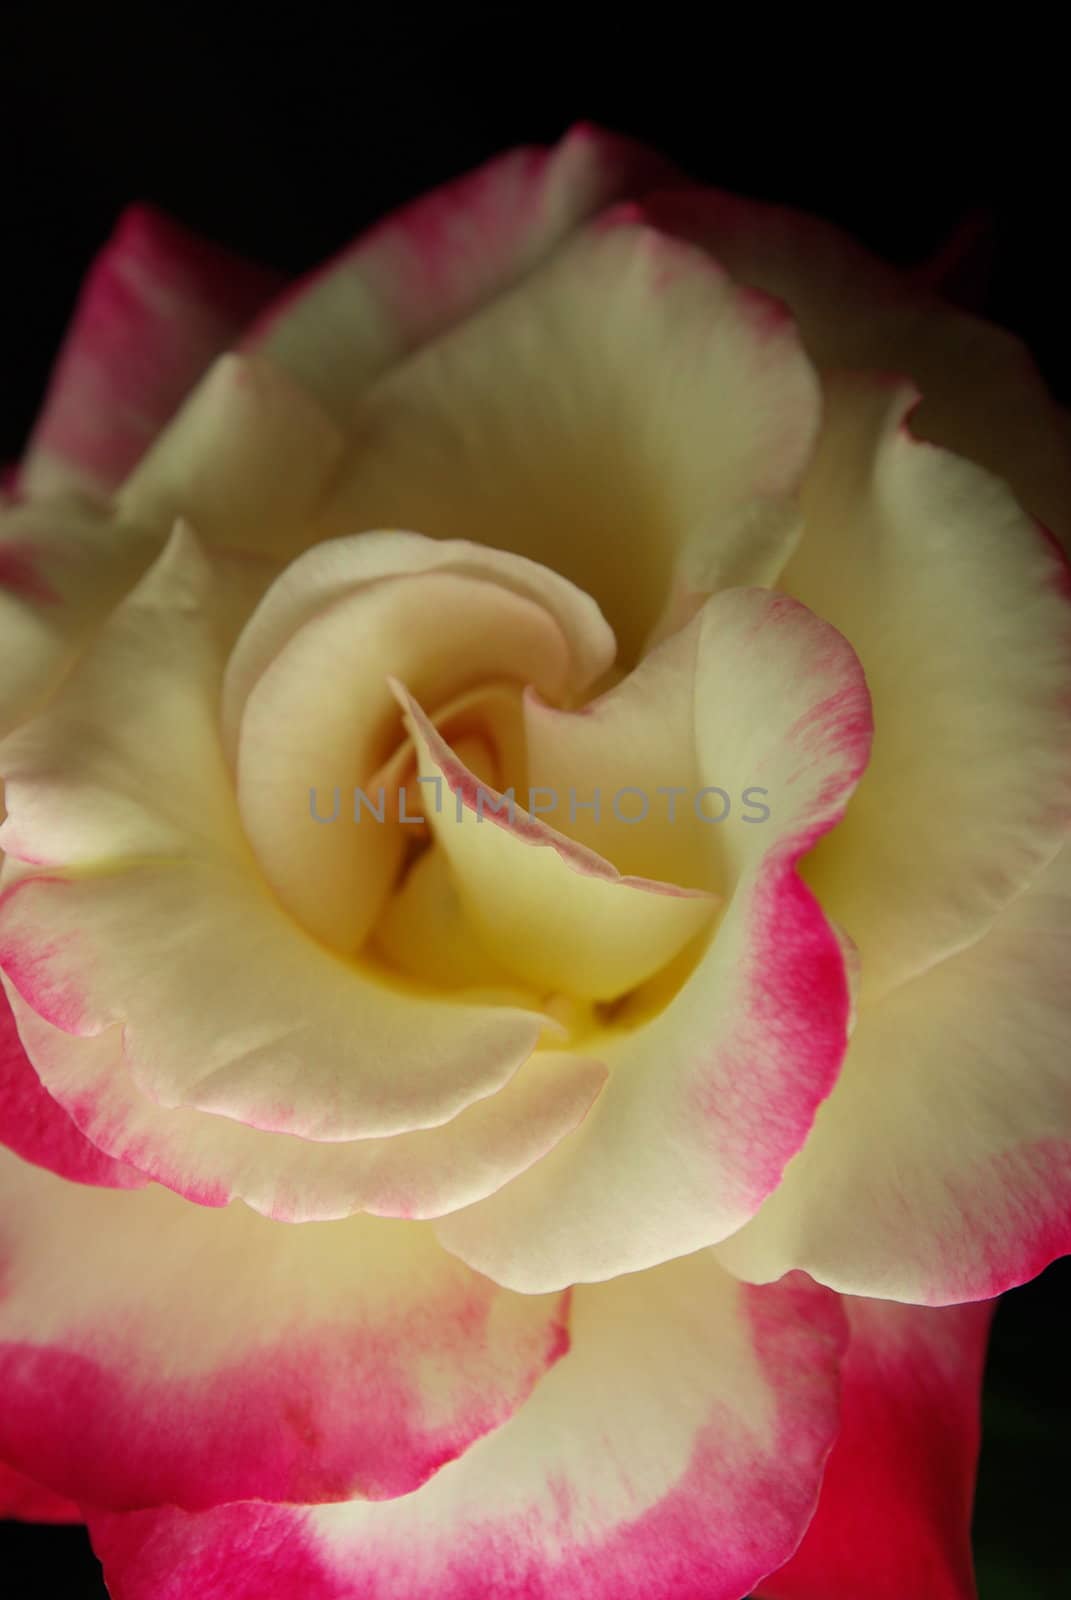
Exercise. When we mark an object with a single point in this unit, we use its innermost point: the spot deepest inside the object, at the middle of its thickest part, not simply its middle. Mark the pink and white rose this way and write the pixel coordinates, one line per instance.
(542, 1184)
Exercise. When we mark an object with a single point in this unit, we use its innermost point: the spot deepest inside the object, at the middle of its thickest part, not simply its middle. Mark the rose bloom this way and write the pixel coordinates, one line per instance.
(587, 1200)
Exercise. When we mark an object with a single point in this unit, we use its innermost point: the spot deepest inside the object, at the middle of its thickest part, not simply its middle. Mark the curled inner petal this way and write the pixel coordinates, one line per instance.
(551, 910)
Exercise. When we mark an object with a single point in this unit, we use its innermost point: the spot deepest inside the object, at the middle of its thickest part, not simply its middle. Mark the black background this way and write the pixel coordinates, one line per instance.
(285, 140)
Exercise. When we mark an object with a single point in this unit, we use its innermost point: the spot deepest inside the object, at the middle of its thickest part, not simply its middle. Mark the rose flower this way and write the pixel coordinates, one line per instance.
(534, 919)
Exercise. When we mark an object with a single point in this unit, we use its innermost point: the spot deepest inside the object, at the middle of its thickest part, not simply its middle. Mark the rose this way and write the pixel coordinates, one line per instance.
(439, 1091)
(155, 1054)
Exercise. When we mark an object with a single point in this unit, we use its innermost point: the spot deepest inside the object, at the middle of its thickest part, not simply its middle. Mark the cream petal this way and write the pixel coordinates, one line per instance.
(424, 931)
(940, 1168)
(227, 1005)
(959, 614)
(95, 777)
(439, 259)
(556, 914)
(247, 460)
(333, 571)
(715, 1087)
(625, 403)
(983, 396)
(212, 1160)
(624, 769)
(143, 834)
(64, 564)
(318, 719)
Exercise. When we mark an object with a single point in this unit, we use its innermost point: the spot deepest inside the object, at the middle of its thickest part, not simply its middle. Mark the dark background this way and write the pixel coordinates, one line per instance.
(285, 141)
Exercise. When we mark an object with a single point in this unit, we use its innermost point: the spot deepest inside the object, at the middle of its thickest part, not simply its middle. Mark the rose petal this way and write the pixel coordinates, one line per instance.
(556, 914)
(317, 718)
(425, 932)
(957, 611)
(625, 403)
(246, 460)
(63, 566)
(940, 1169)
(37, 1128)
(674, 1454)
(226, 1005)
(333, 571)
(28, 1502)
(440, 258)
(624, 769)
(158, 306)
(212, 1160)
(714, 1086)
(91, 780)
(165, 926)
(894, 1514)
(351, 1358)
(983, 396)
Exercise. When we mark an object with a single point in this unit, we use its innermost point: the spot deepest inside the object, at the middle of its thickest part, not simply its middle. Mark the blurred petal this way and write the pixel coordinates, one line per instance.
(63, 566)
(158, 306)
(440, 258)
(962, 267)
(27, 1501)
(246, 460)
(675, 1454)
(983, 396)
